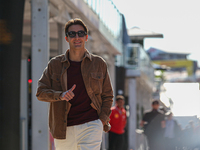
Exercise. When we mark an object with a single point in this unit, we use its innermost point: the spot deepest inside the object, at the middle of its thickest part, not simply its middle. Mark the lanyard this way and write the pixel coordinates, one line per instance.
(120, 112)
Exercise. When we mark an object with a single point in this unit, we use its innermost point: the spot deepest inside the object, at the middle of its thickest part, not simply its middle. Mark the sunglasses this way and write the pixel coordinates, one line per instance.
(72, 34)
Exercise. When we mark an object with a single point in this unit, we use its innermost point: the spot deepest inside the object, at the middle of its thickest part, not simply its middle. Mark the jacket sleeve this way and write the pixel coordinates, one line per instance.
(107, 98)
(44, 89)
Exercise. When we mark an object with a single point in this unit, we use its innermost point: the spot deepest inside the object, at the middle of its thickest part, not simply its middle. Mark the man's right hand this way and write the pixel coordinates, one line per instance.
(68, 95)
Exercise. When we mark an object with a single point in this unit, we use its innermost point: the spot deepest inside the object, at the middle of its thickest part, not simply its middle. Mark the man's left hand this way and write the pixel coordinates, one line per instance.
(103, 122)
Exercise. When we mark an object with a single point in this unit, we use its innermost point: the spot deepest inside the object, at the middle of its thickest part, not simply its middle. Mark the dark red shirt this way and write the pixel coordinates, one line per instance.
(118, 120)
(81, 110)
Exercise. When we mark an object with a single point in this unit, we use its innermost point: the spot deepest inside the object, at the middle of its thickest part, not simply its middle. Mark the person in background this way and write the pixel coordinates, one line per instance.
(189, 138)
(153, 123)
(118, 121)
(172, 133)
(77, 86)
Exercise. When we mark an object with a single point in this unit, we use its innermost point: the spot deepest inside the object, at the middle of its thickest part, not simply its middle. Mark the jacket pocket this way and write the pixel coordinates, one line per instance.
(55, 83)
(96, 82)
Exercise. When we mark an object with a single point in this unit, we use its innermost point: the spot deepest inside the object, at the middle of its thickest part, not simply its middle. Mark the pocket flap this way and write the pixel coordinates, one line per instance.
(97, 75)
(55, 77)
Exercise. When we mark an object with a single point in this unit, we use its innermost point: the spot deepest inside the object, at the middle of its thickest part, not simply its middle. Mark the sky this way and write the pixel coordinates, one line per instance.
(185, 97)
(177, 20)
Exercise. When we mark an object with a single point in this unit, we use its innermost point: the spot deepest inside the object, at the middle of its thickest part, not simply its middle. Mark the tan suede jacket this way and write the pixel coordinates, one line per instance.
(54, 81)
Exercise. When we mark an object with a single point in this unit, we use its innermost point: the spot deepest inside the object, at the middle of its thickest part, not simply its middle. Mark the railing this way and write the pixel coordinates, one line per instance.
(108, 14)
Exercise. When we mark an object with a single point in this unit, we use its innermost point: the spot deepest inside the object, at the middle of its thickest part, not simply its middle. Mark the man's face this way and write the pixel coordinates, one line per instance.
(76, 42)
(120, 103)
(155, 106)
(170, 116)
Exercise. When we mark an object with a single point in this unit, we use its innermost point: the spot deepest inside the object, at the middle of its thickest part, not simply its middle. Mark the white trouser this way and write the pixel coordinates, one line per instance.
(87, 136)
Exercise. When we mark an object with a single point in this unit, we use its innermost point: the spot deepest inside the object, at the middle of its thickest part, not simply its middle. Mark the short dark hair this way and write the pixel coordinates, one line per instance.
(118, 97)
(155, 102)
(75, 21)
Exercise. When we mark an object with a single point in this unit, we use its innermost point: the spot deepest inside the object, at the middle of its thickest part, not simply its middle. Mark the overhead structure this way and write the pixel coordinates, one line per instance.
(137, 35)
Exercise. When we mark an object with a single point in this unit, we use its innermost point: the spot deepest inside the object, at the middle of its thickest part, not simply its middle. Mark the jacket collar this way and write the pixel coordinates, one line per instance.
(87, 55)
(154, 110)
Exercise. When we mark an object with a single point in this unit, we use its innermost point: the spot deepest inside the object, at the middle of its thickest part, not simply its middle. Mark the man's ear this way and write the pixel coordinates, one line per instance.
(66, 38)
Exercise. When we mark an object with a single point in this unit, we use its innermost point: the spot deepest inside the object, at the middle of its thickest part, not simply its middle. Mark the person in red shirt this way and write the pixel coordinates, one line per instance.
(118, 122)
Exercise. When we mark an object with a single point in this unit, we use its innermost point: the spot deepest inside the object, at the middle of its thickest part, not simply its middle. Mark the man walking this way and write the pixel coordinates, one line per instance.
(154, 124)
(79, 90)
(118, 122)
(172, 133)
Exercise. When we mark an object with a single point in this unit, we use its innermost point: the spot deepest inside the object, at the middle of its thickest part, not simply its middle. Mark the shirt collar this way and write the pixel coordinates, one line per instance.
(87, 55)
